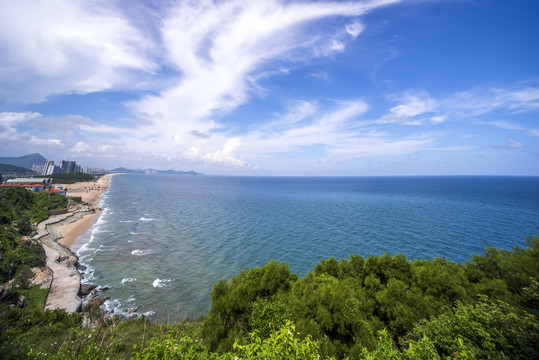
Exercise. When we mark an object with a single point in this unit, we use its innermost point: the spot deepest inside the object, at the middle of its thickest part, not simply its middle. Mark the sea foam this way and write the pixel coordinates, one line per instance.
(139, 252)
(160, 282)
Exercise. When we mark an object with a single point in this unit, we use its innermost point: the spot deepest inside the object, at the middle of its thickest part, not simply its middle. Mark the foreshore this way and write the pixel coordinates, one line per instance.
(57, 235)
(90, 192)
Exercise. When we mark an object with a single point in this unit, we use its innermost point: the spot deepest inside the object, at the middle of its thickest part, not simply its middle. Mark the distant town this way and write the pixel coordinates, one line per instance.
(65, 167)
(36, 165)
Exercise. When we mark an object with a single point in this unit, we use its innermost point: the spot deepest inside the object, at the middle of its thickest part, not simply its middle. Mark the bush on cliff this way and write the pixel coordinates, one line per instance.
(343, 305)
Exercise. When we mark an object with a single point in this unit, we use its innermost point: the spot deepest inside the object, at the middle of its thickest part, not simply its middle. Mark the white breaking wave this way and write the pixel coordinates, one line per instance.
(127, 221)
(138, 252)
(146, 219)
(128, 280)
(160, 282)
(149, 313)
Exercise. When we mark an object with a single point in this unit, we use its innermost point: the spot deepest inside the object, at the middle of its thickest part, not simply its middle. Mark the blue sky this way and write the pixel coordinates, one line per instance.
(381, 87)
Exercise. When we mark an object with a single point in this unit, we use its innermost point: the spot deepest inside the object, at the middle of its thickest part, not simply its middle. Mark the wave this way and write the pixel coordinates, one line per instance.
(128, 280)
(160, 282)
(139, 252)
(127, 221)
(149, 313)
(146, 219)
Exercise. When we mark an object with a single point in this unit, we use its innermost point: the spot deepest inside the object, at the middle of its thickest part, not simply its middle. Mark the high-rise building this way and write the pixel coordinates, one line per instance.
(70, 167)
(48, 168)
(38, 169)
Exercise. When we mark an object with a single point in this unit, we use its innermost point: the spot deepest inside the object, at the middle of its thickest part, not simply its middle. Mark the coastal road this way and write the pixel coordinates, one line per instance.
(64, 290)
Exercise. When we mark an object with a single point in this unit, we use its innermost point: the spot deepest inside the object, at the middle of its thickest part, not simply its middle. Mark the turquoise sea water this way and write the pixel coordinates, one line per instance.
(164, 240)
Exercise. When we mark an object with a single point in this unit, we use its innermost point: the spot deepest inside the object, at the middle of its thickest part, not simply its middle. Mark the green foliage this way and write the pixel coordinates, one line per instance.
(69, 178)
(35, 297)
(21, 328)
(487, 329)
(18, 209)
(232, 304)
(268, 317)
(344, 304)
(282, 344)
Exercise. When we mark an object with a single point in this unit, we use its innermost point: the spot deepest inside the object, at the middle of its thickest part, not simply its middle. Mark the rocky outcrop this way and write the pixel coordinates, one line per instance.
(7, 295)
(93, 304)
(86, 289)
(42, 277)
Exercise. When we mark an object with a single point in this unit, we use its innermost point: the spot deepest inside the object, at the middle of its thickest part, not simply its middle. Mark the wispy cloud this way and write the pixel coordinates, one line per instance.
(69, 47)
(501, 124)
(511, 144)
(219, 48)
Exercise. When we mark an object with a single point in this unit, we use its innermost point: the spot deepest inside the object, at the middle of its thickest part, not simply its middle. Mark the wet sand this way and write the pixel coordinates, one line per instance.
(91, 193)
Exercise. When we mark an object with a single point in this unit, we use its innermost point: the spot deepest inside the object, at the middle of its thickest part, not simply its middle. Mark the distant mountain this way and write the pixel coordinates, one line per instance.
(177, 172)
(25, 161)
(122, 170)
(12, 169)
(152, 171)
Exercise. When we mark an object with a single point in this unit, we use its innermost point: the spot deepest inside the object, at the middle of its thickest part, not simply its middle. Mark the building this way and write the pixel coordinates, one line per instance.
(68, 167)
(30, 184)
(26, 181)
(38, 169)
(48, 168)
(93, 171)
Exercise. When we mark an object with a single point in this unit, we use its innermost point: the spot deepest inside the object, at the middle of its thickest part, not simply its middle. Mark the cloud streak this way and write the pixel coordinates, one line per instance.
(69, 47)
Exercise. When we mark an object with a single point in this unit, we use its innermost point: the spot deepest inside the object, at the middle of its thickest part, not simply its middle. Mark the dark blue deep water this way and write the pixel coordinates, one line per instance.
(164, 240)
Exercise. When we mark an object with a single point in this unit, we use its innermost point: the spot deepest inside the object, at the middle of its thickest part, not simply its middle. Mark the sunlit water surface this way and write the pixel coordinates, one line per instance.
(162, 241)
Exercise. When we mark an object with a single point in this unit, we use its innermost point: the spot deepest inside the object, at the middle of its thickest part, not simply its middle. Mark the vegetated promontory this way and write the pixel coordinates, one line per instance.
(379, 307)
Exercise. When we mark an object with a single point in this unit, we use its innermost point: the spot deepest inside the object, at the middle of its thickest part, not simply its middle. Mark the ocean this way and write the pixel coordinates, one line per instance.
(162, 241)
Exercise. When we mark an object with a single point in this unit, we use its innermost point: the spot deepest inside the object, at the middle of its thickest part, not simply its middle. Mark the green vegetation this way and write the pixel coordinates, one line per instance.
(380, 307)
(12, 169)
(19, 209)
(69, 178)
(345, 305)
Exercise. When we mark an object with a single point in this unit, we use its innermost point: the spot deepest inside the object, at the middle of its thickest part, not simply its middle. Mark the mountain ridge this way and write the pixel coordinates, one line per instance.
(25, 161)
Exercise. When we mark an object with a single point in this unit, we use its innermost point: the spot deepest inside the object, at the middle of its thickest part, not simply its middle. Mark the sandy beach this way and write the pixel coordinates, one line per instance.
(91, 193)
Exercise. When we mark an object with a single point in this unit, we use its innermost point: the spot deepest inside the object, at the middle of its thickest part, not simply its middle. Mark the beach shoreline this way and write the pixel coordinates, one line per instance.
(58, 233)
(90, 193)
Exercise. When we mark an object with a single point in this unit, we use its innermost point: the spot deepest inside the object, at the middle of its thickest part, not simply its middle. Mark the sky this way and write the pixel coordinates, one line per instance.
(274, 87)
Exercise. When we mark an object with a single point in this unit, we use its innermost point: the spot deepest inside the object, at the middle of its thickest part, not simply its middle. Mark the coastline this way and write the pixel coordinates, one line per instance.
(90, 192)
(58, 233)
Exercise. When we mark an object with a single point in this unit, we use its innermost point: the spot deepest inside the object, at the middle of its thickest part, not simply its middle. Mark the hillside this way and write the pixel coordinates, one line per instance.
(25, 161)
(12, 169)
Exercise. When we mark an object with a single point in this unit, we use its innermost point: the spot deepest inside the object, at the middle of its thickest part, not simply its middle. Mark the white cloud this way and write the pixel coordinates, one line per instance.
(438, 119)
(322, 75)
(514, 144)
(80, 147)
(9, 119)
(219, 48)
(453, 148)
(354, 29)
(53, 143)
(474, 103)
(65, 46)
(226, 154)
(414, 104)
(501, 124)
